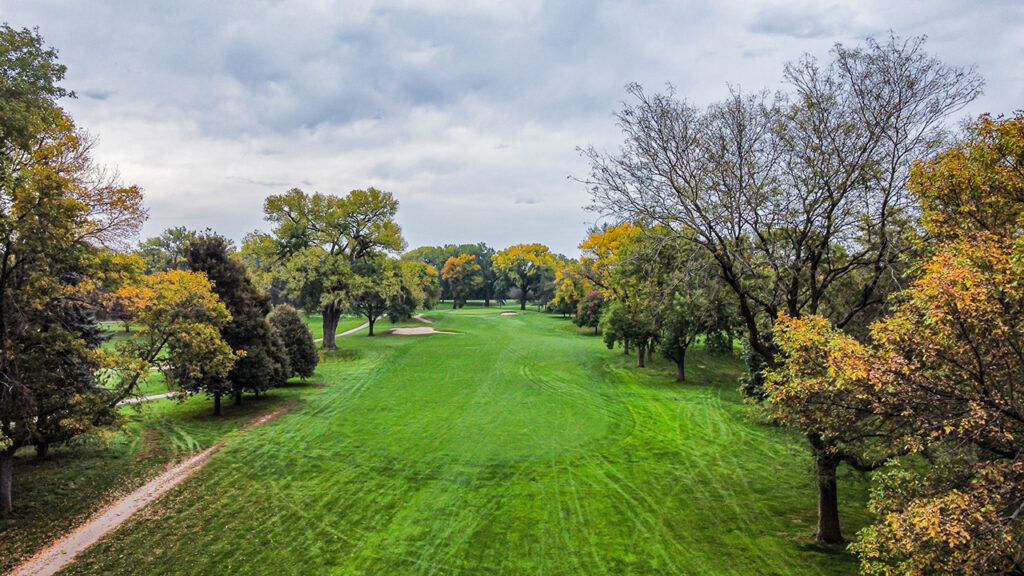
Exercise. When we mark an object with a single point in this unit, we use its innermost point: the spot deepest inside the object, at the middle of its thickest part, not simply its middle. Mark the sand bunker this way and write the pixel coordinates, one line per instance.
(510, 314)
(417, 331)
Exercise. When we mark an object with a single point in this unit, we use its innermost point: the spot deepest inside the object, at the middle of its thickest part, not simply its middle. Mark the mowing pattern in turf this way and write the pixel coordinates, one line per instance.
(515, 447)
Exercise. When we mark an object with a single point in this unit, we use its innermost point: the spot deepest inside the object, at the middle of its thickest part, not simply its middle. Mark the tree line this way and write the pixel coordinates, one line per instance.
(867, 256)
(870, 257)
(65, 258)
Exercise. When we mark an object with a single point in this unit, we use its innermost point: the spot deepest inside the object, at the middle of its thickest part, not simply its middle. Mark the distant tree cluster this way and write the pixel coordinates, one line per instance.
(336, 254)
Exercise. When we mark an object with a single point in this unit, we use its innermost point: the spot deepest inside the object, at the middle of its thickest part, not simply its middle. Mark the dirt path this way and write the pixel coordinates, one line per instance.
(58, 555)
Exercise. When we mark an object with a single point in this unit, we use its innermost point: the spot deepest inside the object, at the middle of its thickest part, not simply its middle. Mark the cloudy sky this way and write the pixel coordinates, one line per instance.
(470, 113)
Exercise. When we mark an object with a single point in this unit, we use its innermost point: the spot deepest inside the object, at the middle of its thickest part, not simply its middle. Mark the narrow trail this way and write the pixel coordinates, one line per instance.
(362, 326)
(141, 399)
(58, 555)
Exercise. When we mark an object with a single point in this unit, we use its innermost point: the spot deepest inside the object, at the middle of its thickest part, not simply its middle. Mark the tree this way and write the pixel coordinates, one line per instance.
(589, 310)
(414, 282)
(938, 380)
(427, 278)
(801, 200)
(524, 266)
(58, 210)
(180, 317)
(463, 275)
(667, 286)
(30, 87)
(840, 416)
(601, 252)
(571, 287)
(320, 242)
(619, 324)
(385, 286)
(943, 372)
(298, 340)
(437, 256)
(687, 296)
(262, 362)
(167, 251)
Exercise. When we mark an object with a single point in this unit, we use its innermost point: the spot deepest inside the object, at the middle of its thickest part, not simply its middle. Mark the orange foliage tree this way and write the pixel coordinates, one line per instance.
(940, 380)
(463, 274)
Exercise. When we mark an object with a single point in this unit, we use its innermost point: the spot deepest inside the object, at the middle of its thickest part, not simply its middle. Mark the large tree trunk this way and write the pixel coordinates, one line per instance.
(42, 449)
(6, 480)
(826, 465)
(625, 346)
(331, 314)
(372, 321)
(641, 352)
(216, 404)
(238, 397)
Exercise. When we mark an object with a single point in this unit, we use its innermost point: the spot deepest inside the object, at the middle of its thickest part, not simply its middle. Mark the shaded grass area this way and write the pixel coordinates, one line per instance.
(154, 384)
(316, 323)
(56, 494)
(515, 447)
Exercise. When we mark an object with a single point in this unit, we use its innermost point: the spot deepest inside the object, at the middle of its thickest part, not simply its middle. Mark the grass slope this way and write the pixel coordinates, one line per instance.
(56, 494)
(515, 447)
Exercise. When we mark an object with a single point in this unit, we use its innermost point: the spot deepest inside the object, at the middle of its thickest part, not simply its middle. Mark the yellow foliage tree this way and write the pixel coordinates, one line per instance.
(525, 267)
(940, 378)
(464, 275)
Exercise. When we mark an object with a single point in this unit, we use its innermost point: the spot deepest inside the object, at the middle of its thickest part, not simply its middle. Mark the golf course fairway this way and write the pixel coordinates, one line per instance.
(519, 445)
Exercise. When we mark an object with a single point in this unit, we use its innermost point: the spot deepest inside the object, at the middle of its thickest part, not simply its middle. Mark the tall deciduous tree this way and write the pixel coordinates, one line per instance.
(320, 240)
(167, 251)
(57, 209)
(525, 266)
(437, 256)
(943, 372)
(800, 199)
(463, 275)
(179, 318)
(571, 288)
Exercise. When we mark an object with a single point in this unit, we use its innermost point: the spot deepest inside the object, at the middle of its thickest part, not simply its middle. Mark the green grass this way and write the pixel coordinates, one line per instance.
(520, 446)
(56, 494)
(316, 323)
(154, 384)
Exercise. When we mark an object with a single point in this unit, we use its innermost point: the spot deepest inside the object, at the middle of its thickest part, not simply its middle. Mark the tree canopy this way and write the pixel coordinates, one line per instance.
(525, 267)
(321, 242)
(263, 361)
(58, 212)
(800, 198)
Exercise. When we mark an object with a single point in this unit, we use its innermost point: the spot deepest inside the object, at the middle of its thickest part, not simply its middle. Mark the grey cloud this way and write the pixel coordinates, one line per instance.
(468, 112)
(276, 185)
(800, 21)
(100, 95)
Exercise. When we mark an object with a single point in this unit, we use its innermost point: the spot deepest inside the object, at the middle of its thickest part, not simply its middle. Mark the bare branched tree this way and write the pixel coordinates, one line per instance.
(799, 197)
